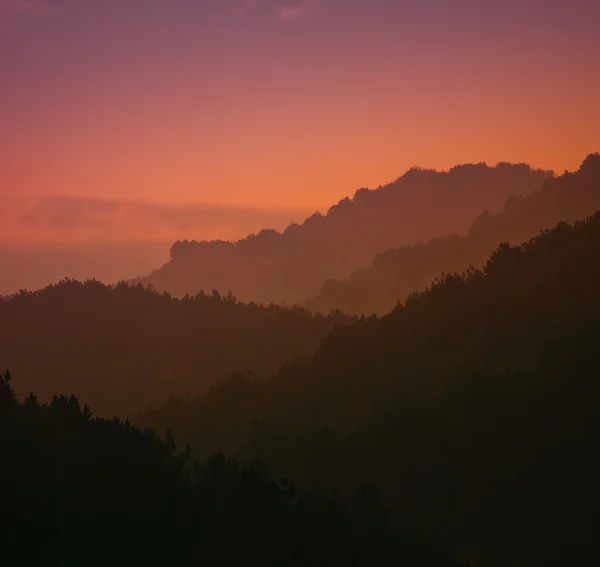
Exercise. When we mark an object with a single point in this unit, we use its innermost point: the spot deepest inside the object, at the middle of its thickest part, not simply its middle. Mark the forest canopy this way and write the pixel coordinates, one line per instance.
(394, 274)
(123, 348)
(97, 492)
(292, 265)
(472, 408)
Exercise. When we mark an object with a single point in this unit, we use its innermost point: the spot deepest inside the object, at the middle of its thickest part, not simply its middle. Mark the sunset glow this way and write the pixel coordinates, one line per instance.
(273, 104)
(300, 282)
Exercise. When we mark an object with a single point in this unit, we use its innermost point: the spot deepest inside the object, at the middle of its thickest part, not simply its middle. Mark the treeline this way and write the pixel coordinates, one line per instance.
(79, 490)
(123, 348)
(392, 275)
(473, 408)
(291, 266)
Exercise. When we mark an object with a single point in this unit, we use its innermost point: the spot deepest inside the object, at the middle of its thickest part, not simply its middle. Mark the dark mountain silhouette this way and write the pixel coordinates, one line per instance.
(123, 348)
(290, 266)
(78, 490)
(472, 408)
(392, 275)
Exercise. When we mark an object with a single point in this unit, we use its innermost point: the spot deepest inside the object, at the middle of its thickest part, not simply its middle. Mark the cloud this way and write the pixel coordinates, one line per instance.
(296, 11)
(64, 218)
(285, 11)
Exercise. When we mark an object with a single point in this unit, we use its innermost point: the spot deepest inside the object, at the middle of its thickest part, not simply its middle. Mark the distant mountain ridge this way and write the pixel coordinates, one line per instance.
(290, 266)
(392, 275)
(472, 408)
(123, 348)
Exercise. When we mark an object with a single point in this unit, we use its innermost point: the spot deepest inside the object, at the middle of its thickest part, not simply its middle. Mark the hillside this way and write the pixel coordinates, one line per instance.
(98, 492)
(290, 266)
(472, 408)
(124, 348)
(392, 275)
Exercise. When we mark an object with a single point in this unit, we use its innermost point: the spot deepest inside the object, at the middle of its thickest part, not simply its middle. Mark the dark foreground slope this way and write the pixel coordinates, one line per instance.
(126, 347)
(473, 408)
(78, 490)
(292, 265)
(394, 274)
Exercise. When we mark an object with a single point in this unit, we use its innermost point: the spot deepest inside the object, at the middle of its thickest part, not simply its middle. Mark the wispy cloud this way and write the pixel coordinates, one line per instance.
(65, 218)
(285, 11)
(296, 11)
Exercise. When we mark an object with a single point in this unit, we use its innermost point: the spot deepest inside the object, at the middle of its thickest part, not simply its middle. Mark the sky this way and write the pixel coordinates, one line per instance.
(155, 120)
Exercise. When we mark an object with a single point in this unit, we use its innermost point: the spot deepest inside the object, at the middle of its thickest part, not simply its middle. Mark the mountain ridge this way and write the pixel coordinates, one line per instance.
(472, 408)
(289, 266)
(393, 274)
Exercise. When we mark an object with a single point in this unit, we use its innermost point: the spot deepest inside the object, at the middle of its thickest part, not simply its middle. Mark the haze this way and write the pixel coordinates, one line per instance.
(110, 107)
(300, 282)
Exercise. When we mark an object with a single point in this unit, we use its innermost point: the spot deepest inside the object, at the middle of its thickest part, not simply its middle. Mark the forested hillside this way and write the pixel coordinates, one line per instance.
(472, 408)
(232, 336)
(290, 266)
(79, 490)
(122, 348)
(392, 275)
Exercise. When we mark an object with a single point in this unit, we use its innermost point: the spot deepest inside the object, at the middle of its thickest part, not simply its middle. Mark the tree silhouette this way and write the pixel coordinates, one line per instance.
(392, 275)
(472, 408)
(79, 490)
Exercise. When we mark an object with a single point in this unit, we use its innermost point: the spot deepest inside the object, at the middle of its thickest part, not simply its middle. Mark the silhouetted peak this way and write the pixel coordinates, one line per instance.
(591, 164)
(292, 227)
(362, 193)
(265, 235)
(332, 244)
(469, 168)
(341, 206)
(313, 219)
(392, 275)
(417, 173)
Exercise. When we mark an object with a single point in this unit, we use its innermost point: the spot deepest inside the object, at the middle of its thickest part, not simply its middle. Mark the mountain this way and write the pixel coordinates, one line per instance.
(290, 266)
(122, 348)
(472, 408)
(392, 275)
(80, 490)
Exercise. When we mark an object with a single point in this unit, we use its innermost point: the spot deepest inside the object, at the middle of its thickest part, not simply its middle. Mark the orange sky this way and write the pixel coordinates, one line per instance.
(271, 104)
